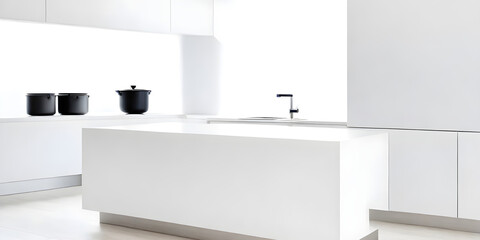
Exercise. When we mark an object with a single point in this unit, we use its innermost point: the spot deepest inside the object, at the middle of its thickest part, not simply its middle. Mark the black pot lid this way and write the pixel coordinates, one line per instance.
(73, 94)
(40, 94)
(134, 89)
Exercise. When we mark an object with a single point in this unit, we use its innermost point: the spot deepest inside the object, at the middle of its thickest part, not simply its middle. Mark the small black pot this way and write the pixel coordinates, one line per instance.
(134, 101)
(41, 104)
(73, 103)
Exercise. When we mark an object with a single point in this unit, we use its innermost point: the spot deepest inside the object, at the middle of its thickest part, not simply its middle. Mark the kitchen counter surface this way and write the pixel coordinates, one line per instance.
(317, 133)
(277, 121)
(106, 116)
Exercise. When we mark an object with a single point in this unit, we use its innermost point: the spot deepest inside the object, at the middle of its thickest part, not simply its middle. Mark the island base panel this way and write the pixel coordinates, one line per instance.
(172, 228)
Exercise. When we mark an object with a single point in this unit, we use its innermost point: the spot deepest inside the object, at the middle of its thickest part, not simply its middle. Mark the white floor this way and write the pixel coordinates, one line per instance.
(57, 214)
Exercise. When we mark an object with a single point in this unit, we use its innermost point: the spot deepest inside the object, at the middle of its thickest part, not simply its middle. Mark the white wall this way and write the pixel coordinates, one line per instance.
(201, 59)
(52, 58)
(283, 46)
(260, 48)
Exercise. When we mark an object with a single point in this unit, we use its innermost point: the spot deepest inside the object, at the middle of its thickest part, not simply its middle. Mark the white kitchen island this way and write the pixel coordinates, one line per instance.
(237, 181)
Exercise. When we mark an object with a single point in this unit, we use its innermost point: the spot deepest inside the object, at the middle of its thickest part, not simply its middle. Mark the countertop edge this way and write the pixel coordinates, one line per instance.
(27, 119)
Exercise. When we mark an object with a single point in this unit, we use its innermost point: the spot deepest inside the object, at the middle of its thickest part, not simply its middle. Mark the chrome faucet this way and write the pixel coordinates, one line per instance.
(292, 110)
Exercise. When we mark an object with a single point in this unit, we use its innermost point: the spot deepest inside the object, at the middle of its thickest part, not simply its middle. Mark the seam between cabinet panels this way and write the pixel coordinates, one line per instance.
(388, 169)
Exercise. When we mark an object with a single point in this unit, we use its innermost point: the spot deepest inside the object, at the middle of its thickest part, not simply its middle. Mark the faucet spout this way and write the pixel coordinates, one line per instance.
(292, 110)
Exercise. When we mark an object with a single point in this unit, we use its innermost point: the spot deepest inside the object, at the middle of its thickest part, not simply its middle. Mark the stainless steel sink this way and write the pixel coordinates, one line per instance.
(263, 118)
(275, 120)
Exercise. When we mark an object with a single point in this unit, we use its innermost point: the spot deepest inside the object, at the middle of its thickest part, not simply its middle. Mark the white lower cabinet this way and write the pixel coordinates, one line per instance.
(469, 175)
(27, 10)
(423, 172)
(138, 15)
(32, 150)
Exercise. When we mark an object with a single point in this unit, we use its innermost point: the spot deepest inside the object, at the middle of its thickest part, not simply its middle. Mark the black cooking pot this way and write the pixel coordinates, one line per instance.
(73, 103)
(134, 101)
(40, 104)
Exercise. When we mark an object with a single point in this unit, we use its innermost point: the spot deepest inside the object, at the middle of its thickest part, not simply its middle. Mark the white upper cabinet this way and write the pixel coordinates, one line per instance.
(190, 17)
(468, 175)
(194, 17)
(138, 15)
(28, 10)
(423, 172)
(414, 64)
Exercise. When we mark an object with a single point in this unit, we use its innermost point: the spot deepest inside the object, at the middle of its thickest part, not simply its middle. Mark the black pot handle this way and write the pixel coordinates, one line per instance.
(149, 91)
(133, 86)
(119, 93)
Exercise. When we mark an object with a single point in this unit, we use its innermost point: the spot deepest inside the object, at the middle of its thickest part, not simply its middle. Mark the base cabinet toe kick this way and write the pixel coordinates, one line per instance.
(209, 182)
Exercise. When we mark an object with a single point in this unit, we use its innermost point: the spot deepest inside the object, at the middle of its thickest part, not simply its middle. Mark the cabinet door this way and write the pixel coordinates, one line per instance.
(193, 17)
(423, 172)
(138, 15)
(29, 10)
(413, 62)
(469, 175)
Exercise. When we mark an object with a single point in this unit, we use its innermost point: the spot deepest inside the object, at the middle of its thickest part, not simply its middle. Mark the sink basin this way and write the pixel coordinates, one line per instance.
(275, 120)
(262, 118)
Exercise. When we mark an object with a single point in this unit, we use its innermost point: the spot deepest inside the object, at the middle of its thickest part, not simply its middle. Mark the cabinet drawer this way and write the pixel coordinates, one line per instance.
(469, 175)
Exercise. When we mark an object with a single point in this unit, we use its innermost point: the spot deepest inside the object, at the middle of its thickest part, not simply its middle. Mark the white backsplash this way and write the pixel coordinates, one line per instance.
(53, 58)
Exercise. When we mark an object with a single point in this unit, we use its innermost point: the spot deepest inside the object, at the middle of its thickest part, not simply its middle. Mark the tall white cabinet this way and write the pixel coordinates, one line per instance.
(27, 10)
(423, 172)
(414, 65)
(469, 175)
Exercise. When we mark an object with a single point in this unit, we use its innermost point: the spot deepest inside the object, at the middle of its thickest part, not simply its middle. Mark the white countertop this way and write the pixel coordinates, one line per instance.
(106, 116)
(317, 133)
(281, 121)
